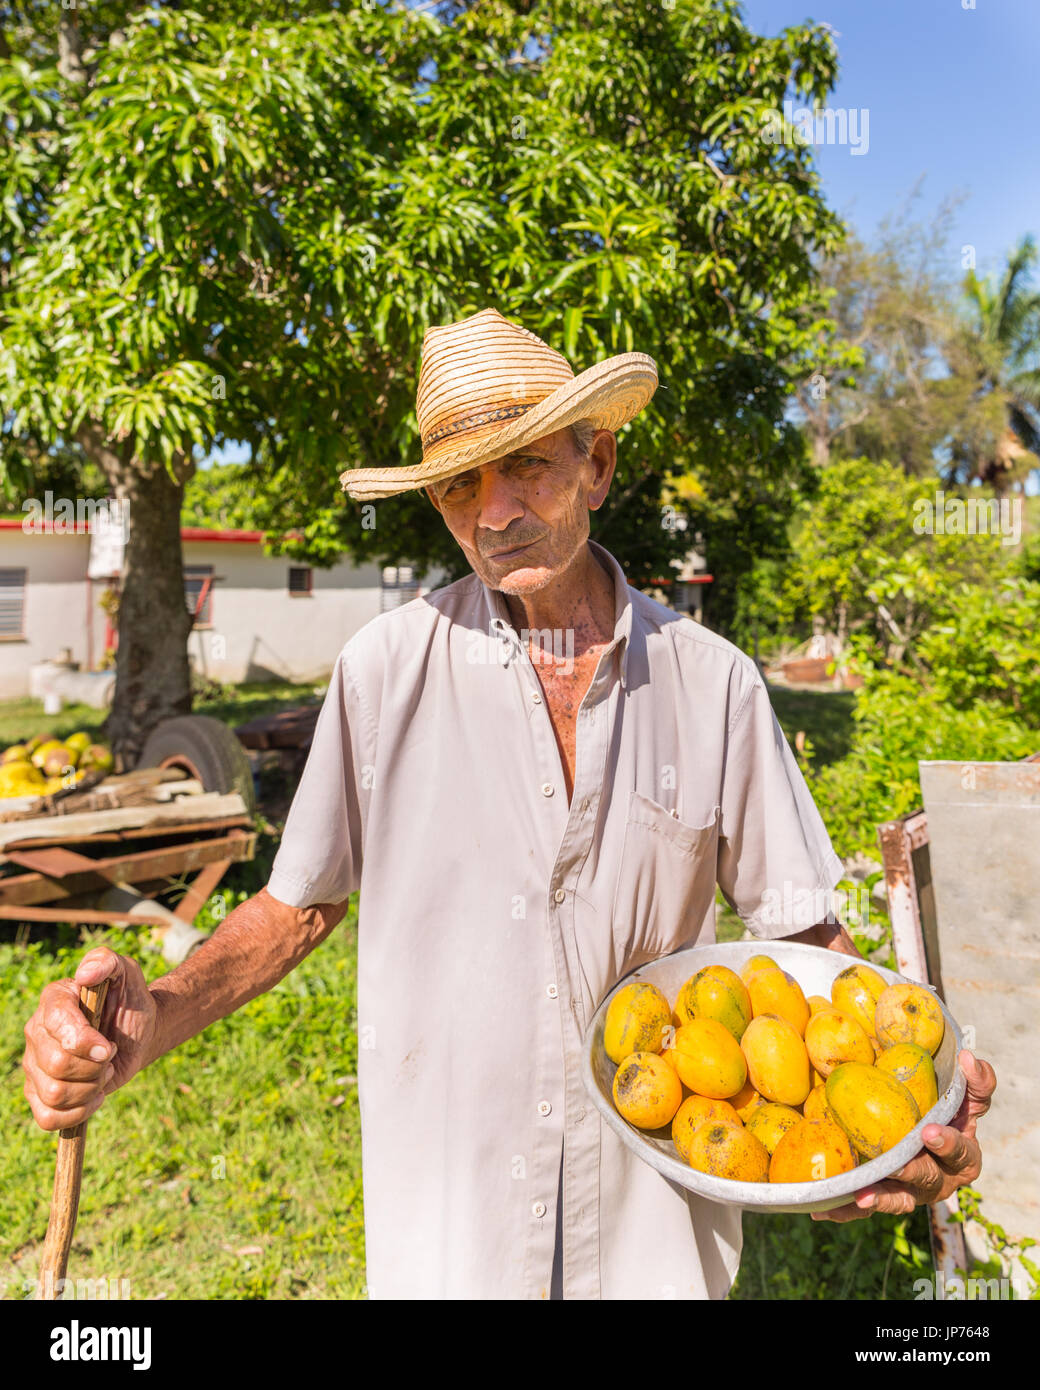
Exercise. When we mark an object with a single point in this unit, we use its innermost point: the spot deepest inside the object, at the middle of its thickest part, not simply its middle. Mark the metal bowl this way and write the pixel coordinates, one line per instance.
(814, 969)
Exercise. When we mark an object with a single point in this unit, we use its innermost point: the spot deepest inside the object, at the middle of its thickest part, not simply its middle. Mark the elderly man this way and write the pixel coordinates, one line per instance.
(535, 776)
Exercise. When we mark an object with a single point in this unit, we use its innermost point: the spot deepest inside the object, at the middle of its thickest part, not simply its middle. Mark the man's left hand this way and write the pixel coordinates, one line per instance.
(950, 1159)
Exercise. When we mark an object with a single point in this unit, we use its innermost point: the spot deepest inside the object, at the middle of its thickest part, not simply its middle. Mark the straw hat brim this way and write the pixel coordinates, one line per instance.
(609, 394)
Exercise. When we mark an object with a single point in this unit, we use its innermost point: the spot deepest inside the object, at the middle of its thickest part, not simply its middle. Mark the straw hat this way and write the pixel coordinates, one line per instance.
(487, 387)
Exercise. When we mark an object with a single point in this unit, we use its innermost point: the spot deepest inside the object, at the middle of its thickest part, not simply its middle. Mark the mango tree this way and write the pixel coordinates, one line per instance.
(222, 223)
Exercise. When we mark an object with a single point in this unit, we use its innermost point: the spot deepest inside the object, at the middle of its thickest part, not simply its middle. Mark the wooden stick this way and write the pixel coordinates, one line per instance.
(68, 1175)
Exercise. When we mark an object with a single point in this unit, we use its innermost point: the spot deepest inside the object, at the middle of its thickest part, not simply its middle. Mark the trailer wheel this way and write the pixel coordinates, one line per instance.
(206, 749)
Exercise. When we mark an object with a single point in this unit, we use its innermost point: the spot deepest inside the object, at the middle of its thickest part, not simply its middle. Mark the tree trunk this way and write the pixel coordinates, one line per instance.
(153, 679)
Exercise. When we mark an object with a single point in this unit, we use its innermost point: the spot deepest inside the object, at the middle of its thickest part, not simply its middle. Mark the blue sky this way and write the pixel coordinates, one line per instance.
(951, 95)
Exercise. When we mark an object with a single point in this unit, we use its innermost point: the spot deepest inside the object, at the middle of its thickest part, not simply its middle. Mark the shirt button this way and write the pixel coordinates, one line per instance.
(538, 1209)
(551, 991)
(536, 697)
(559, 895)
(547, 789)
(544, 1108)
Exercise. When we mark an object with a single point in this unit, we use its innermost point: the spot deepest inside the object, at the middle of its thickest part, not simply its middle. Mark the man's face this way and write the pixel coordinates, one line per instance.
(522, 519)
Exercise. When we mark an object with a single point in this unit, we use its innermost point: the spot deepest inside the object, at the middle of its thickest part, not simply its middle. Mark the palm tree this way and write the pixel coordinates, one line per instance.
(1002, 342)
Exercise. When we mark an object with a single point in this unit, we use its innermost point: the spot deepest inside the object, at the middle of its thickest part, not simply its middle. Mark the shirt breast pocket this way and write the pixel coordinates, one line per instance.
(664, 897)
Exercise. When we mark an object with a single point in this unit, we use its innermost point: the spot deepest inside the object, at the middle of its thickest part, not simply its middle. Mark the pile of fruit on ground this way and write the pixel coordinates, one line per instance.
(761, 1084)
(43, 765)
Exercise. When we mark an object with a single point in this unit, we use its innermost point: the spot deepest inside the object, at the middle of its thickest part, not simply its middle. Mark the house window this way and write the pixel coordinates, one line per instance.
(301, 581)
(12, 602)
(399, 586)
(198, 593)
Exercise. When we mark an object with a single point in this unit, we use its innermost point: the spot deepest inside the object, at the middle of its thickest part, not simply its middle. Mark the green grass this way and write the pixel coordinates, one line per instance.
(825, 716)
(794, 1257)
(21, 718)
(231, 1169)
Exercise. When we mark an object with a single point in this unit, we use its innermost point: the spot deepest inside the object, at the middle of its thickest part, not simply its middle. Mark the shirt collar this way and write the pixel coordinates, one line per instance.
(501, 623)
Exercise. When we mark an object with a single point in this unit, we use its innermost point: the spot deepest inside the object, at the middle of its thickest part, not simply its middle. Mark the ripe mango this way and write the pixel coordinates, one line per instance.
(909, 1014)
(872, 1107)
(709, 1060)
(811, 1150)
(815, 1107)
(746, 1101)
(39, 753)
(725, 1151)
(776, 992)
(719, 993)
(817, 1003)
(770, 1122)
(646, 1091)
(757, 963)
(832, 1038)
(636, 1019)
(777, 1061)
(694, 1112)
(855, 993)
(913, 1066)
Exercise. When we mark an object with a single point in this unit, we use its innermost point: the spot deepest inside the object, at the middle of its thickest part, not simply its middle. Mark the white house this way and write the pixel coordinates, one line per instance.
(258, 617)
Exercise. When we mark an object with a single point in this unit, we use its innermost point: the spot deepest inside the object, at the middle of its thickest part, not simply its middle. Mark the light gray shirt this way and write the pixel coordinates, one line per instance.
(494, 917)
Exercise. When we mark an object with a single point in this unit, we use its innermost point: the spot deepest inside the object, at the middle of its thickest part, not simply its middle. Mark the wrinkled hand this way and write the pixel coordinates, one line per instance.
(71, 1067)
(950, 1159)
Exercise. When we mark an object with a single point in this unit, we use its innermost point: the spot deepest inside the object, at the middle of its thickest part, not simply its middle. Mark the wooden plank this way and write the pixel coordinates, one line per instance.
(208, 806)
(53, 862)
(162, 863)
(224, 823)
(118, 837)
(205, 882)
(81, 914)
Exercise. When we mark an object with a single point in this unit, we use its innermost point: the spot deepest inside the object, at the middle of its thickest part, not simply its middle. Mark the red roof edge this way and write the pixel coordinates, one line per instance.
(188, 533)
(202, 533)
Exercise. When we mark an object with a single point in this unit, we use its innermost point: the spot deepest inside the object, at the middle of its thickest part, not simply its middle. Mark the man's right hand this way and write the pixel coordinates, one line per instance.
(71, 1067)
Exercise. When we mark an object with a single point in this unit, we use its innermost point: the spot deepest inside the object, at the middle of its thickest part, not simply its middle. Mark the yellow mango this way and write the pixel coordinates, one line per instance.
(913, 1066)
(746, 1101)
(709, 1060)
(777, 1062)
(757, 963)
(810, 1151)
(776, 992)
(646, 1091)
(855, 993)
(694, 1112)
(832, 1038)
(872, 1107)
(909, 1014)
(726, 1151)
(770, 1122)
(815, 1107)
(719, 993)
(636, 1020)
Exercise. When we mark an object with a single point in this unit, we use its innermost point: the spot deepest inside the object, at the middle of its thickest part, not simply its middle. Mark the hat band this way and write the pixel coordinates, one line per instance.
(469, 422)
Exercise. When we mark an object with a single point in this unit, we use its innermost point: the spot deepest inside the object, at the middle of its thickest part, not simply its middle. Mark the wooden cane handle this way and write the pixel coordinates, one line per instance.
(68, 1175)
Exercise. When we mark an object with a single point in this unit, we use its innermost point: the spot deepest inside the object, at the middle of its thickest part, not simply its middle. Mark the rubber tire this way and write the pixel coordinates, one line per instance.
(207, 749)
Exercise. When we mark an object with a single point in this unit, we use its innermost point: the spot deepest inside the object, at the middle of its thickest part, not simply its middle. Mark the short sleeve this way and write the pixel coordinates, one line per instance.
(776, 864)
(319, 858)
